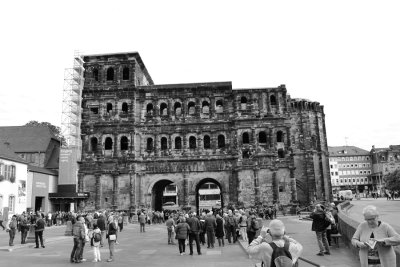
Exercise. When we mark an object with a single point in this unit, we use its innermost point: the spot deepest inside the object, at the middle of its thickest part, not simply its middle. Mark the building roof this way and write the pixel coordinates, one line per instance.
(27, 138)
(6, 152)
(346, 151)
(32, 168)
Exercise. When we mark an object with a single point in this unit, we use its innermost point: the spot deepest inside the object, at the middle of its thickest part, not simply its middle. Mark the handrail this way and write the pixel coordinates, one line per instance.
(310, 262)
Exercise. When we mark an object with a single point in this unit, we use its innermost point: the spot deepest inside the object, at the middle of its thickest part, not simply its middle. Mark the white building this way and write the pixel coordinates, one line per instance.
(13, 181)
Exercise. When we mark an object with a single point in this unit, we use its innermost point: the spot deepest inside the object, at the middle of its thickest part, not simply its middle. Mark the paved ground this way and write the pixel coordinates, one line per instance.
(389, 210)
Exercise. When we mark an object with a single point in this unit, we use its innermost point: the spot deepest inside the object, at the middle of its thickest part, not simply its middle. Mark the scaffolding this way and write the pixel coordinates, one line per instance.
(71, 118)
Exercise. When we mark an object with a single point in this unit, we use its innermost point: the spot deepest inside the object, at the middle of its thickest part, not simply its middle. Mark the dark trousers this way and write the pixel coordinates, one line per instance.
(196, 238)
(76, 250)
(170, 238)
(142, 227)
(210, 238)
(39, 236)
(1, 224)
(202, 238)
(250, 236)
(121, 226)
(231, 231)
(24, 234)
(181, 243)
(12, 236)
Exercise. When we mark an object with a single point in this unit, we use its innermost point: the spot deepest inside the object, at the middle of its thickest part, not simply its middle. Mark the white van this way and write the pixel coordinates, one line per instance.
(347, 194)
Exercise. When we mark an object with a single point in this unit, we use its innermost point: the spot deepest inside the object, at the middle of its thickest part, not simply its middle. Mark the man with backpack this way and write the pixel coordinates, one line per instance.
(282, 251)
(319, 225)
(231, 226)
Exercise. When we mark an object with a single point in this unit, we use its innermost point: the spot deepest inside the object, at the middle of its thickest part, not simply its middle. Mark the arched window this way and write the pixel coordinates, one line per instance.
(272, 100)
(125, 74)
(191, 107)
(108, 143)
(243, 102)
(221, 141)
(219, 106)
(109, 107)
(124, 143)
(93, 144)
(262, 137)
(205, 107)
(149, 145)
(279, 137)
(164, 143)
(192, 142)
(177, 109)
(110, 74)
(124, 107)
(163, 109)
(149, 109)
(95, 75)
(246, 138)
(207, 142)
(178, 142)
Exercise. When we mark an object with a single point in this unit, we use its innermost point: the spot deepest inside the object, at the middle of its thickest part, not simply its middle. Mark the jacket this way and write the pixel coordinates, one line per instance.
(210, 223)
(194, 225)
(101, 223)
(39, 226)
(319, 223)
(78, 230)
(182, 230)
(219, 231)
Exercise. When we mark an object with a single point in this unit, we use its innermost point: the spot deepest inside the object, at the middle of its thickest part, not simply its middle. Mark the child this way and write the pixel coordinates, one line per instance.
(96, 243)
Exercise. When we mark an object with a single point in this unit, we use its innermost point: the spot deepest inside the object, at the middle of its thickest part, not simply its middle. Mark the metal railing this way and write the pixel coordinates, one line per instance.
(308, 261)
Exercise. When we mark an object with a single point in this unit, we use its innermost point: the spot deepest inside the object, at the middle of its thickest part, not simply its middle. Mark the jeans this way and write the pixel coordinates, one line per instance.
(142, 227)
(181, 243)
(322, 241)
(196, 238)
(111, 246)
(76, 250)
(12, 236)
(170, 236)
(231, 231)
(210, 237)
(103, 237)
(39, 236)
(24, 234)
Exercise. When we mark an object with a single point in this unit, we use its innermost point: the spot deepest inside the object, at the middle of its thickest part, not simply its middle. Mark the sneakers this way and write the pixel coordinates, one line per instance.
(327, 253)
(109, 260)
(320, 254)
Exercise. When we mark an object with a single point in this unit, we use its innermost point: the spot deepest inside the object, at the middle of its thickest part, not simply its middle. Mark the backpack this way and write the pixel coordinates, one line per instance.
(281, 257)
(231, 221)
(97, 237)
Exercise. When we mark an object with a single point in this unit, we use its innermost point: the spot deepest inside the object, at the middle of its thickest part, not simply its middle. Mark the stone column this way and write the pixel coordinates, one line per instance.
(98, 191)
(256, 186)
(185, 189)
(275, 187)
(234, 186)
(80, 181)
(278, 105)
(293, 185)
(268, 104)
(132, 188)
(141, 193)
(115, 189)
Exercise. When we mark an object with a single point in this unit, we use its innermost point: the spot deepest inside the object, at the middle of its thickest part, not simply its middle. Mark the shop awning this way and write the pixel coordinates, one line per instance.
(71, 195)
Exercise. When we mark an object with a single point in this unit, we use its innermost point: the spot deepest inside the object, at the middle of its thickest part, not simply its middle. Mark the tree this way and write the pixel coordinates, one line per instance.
(54, 129)
(393, 180)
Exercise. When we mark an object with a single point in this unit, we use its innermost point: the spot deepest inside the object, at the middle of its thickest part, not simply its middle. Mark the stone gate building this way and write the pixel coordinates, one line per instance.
(258, 145)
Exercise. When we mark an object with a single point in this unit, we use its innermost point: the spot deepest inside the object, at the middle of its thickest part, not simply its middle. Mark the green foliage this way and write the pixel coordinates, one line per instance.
(54, 129)
(393, 180)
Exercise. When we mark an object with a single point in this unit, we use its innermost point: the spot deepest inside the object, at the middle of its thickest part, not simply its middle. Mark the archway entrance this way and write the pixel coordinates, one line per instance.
(164, 192)
(209, 195)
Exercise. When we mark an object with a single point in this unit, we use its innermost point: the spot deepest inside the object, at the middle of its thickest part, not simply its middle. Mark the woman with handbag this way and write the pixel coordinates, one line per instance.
(112, 237)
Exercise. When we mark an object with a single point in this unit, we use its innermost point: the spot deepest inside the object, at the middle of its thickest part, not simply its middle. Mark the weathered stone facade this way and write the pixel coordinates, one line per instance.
(259, 145)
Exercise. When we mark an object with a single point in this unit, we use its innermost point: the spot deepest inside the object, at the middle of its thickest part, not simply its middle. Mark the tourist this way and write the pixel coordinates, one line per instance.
(142, 222)
(24, 228)
(112, 237)
(210, 225)
(78, 232)
(195, 226)
(170, 223)
(203, 228)
(272, 239)
(12, 229)
(101, 223)
(375, 239)
(231, 226)
(96, 238)
(39, 228)
(243, 226)
(319, 225)
(219, 230)
(252, 227)
(182, 232)
(1, 220)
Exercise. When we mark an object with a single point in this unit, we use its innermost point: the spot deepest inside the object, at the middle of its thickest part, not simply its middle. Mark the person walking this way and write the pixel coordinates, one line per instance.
(101, 223)
(231, 226)
(1, 220)
(12, 230)
(112, 237)
(24, 228)
(182, 232)
(96, 238)
(219, 230)
(210, 225)
(195, 227)
(39, 229)
(142, 222)
(375, 239)
(243, 226)
(319, 225)
(78, 232)
(170, 223)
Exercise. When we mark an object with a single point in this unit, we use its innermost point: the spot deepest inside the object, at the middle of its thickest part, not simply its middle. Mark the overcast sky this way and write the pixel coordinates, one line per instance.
(343, 54)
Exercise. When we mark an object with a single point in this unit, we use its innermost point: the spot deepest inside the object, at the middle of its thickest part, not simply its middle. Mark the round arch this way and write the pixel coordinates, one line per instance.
(156, 191)
(202, 182)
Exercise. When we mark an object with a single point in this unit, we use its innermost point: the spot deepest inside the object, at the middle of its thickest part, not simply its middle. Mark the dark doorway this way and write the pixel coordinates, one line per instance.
(210, 189)
(158, 198)
(39, 205)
